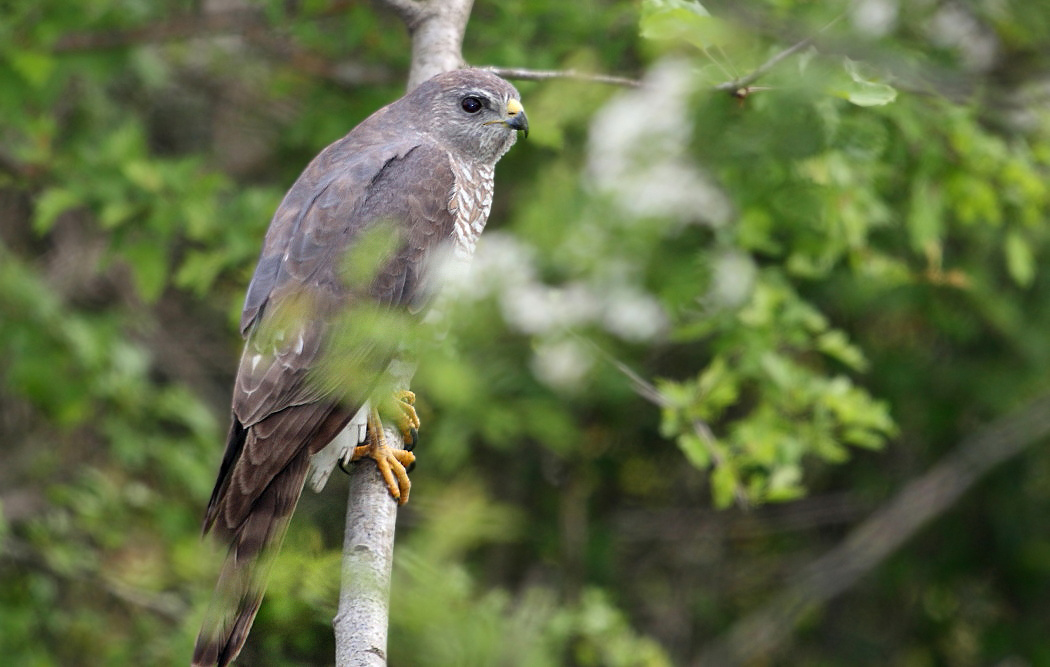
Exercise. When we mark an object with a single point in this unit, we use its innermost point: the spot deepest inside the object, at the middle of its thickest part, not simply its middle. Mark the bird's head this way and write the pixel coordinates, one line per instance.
(471, 112)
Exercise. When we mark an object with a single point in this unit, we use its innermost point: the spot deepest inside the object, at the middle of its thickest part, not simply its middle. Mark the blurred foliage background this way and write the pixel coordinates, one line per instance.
(821, 287)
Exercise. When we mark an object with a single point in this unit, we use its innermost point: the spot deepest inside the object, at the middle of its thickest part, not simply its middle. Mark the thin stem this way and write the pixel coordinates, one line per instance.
(526, 74)
(743, 82)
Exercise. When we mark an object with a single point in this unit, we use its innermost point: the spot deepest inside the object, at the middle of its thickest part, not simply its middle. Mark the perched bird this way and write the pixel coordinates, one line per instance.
(418, 174)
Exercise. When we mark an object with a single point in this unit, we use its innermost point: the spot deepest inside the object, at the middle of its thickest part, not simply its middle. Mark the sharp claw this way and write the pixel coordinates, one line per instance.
(393, 464)
(408, 420)
(383, 462)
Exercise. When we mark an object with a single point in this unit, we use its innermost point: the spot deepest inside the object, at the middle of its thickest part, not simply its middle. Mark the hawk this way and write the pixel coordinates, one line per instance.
(419, 173)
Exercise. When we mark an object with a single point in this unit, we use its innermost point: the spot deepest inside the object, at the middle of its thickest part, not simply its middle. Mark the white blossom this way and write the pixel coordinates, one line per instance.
(638, 151)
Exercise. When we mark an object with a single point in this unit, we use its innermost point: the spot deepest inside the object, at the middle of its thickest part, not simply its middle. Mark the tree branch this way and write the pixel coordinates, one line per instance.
(436, 28)
(368, 556)
(918, 503)
(739, 86)
(525, 74)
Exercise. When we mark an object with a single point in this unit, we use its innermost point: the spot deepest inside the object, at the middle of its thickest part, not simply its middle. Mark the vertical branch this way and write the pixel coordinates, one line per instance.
(368, 555)
(437, 28)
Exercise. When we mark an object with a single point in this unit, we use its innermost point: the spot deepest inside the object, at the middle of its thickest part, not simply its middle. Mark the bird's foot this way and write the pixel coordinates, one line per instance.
(408, 422)
(392, 462)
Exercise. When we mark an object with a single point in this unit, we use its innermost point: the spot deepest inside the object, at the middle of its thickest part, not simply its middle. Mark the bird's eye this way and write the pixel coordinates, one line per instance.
(471, 104)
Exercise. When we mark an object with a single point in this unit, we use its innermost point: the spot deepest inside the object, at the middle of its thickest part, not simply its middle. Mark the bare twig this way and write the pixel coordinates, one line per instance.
(918, 503)
(525, 74)
(746, 80)
(738, 86)
(741, 85)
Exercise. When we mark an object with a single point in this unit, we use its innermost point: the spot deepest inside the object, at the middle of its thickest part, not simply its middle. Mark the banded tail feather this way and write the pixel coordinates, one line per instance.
(254, 545)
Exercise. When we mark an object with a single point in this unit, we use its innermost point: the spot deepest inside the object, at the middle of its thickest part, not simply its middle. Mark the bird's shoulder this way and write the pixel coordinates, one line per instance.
(365, 177)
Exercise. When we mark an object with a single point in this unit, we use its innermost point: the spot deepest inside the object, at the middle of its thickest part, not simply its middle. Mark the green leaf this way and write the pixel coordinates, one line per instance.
(144, 174)
(863, 92)
(696, 452)
(199, 269)
(717, 388)
(869, 94)
(974, 200)
(52, 203)
(653, 7)
(835, 344)
(115, 212)
(925, 213)
(148, 262)
(778, 369)
(1019, 259)
(785, 483)
(34, 66)
(684, 22)
(724, 485)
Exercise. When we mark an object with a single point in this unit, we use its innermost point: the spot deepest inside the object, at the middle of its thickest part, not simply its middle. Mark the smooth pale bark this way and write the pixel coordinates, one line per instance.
(368, 556)
(437, 28)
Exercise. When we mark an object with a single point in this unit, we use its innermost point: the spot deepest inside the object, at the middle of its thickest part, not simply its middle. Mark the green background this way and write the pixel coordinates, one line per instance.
(831, 282)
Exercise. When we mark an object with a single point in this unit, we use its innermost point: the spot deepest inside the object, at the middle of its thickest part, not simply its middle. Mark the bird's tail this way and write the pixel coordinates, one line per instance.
(242, 580)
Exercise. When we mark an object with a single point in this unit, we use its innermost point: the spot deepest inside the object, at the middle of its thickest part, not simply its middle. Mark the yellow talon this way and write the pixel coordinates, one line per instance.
(391, 462)
(409, 420)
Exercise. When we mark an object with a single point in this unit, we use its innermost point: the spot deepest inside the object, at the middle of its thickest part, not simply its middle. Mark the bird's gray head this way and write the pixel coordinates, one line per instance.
(471, 112)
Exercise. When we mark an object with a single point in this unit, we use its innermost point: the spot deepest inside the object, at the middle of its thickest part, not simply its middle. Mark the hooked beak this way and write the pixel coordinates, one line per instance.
(516, 118)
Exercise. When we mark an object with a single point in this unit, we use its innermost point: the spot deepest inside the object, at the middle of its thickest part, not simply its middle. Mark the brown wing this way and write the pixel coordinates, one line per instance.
(280, 415)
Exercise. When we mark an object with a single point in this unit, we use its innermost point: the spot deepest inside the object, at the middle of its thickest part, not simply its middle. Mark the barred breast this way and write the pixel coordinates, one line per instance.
(469, 203)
